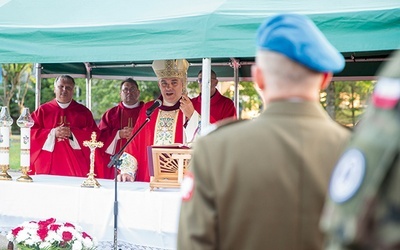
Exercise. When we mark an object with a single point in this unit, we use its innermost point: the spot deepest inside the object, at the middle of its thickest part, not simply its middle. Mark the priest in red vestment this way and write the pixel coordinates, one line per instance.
(61, 126)
(221, 107)
(117, 123)
(175, 121)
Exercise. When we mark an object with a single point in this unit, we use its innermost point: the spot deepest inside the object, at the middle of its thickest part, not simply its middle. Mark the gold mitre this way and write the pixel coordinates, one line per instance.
(170, 68)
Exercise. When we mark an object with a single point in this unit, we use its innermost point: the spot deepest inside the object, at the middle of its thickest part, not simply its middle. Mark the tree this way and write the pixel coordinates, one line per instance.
(18, 89)
(351, 99)
(328, 100)
(345, 101)
(148, 90)
(47, 90)
(18, 80)
(250, 102)
(107, 94)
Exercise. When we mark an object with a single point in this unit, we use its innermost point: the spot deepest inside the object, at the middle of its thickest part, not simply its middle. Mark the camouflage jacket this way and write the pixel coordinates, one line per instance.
(362, 210)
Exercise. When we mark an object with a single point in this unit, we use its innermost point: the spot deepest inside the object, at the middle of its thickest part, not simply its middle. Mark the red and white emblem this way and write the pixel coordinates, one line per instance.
(187, 186)
(387, 93)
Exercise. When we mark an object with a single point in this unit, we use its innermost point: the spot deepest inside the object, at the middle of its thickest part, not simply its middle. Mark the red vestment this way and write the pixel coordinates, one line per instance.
(63, 160)
(146, 137)
(111, 122)
(221, 107)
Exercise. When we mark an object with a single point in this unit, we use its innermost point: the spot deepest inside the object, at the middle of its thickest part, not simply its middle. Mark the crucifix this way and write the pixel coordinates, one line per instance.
(92, 144)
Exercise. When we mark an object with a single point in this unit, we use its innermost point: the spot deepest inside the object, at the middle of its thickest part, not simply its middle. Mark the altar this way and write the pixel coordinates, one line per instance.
(146, 219)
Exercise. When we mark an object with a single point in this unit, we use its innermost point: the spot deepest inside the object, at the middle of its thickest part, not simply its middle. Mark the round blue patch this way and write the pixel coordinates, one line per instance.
(347, 176)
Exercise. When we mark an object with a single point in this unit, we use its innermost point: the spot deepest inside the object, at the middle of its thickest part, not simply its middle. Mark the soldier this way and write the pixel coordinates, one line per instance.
(261, 184)
(363, 207)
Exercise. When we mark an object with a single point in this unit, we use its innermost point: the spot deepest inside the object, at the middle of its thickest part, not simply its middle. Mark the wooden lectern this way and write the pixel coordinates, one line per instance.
(167, 165)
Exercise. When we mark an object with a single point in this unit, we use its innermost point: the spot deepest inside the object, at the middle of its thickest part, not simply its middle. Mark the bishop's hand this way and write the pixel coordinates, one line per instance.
(125, 177)
(186, 106)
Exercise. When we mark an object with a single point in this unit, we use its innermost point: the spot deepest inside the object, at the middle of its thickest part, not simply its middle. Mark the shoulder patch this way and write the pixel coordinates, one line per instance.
(347, 176)
(387, 93)
(187, 186)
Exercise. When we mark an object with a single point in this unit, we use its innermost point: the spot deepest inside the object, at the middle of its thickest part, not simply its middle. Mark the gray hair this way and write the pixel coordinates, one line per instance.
(64, 77)
(282, 69)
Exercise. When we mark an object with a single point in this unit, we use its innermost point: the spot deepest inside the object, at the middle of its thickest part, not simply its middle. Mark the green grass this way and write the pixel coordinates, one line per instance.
(15, 149)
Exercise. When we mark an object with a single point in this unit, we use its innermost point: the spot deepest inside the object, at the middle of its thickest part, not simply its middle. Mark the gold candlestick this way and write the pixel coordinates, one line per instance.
(4, 174)
(92, 144)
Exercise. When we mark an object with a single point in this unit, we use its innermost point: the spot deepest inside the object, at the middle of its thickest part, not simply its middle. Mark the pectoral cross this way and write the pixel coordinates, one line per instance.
(92, 144)
(130, 122)
(63, 120)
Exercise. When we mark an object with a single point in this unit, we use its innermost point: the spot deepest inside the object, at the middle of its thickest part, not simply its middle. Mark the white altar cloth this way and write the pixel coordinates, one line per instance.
(148, 219)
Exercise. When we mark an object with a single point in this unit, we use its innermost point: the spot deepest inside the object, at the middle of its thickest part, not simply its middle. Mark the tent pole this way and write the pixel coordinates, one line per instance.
(38, 71)
(205, 94)
(88, 87)
(236, 66)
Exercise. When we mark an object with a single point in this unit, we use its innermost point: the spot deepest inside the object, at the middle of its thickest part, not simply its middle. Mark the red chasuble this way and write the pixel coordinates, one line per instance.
(64, 160)
(221, 107)
(111, 122)
(166, 124)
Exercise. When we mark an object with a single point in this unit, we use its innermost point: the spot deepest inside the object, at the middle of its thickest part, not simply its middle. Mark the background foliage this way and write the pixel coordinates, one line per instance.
(345, 101)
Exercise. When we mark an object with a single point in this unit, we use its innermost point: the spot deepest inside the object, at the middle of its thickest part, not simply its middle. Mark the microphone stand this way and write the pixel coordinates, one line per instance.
(115, 161)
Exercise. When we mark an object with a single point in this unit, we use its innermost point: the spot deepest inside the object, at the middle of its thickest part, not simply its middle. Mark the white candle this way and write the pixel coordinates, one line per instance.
(25, 146)
(4, 145)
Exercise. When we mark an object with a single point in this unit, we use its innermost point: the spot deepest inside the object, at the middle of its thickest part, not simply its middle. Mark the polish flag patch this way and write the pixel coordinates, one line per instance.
(187, 186)
(387, 93)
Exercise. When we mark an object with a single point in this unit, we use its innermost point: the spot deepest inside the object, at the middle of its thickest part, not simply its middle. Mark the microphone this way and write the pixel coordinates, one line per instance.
(157, 103)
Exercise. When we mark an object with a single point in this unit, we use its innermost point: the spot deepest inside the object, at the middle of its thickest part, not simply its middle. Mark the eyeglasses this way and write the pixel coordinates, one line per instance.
(128, 90)
(200, 79)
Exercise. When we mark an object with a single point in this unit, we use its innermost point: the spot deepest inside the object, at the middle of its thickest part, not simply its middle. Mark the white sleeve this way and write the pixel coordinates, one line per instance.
(128, 164)
(74, 143)
(50, 141)
(111, 148)
(192, 127)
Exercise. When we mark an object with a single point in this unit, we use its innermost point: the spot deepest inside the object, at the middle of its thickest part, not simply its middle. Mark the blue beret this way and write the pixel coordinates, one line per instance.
(297, 37)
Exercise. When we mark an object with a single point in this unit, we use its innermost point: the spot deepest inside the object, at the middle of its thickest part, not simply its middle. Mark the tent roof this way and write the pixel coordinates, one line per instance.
(124, 32)
(363, 66)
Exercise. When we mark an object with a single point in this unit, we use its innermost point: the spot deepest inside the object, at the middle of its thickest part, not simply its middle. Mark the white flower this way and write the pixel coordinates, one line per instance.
(30, 234)
(78, 228)
(88, 243)
(29, 242)
(77, 245)
(53, 236)
(30, 225)
(23, 235)
(10, 236)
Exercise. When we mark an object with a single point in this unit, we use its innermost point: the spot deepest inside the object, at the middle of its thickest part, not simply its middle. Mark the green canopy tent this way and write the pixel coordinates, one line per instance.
(121, 38)
(135, 32)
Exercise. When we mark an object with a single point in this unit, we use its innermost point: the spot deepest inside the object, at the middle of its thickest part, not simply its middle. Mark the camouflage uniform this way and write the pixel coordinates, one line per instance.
(363, 206)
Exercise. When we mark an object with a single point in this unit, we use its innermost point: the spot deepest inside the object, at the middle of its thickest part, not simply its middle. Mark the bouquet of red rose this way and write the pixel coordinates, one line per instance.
(49, 235)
